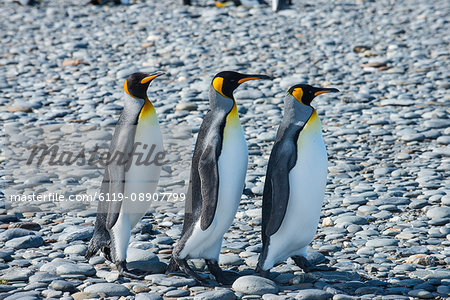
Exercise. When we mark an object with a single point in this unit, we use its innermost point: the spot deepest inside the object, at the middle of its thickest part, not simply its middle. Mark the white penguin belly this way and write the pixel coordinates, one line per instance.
(307, 181)
(232, 167)
(141, 180)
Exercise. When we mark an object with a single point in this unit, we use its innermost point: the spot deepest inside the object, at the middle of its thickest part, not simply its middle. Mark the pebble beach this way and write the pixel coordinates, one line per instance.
(385, 224)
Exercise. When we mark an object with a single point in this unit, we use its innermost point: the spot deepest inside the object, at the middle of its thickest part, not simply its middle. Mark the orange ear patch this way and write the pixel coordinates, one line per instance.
(298, 94)
(125, 88)
(218, 85)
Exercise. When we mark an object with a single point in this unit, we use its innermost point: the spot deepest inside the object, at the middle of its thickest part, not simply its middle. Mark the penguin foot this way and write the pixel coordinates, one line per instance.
(222, 277)
(307, 267)
(173, 266)
(264, 273)
(133, 274)
(182, 263)
(229, 277)
(107, 253)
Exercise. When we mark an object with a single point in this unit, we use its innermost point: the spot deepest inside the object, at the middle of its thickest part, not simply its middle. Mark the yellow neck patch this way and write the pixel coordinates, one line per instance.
(298, 94)
(147, 110)
(233, 116)
(218, 85)
(313, 122)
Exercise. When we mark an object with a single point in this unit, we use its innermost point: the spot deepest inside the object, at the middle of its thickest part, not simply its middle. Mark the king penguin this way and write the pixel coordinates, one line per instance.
(295, 182)
(219, 165)
(125, 177)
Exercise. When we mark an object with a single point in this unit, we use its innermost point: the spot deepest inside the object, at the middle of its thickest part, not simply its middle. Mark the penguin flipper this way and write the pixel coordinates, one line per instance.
(209, 179)
(116, 189)
(122, 143)
(282, 160)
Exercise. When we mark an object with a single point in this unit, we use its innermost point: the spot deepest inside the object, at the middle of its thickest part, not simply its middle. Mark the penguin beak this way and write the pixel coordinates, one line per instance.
(151, 77)
(319, 91)
(253, 77)
(221, 3)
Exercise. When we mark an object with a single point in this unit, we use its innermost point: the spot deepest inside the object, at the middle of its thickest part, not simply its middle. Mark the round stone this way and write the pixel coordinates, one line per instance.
(25, 242)
(313, 294)
(440, 212)
(109, 289)
(254, 285)
(376, 243)
(148, 296)
(76, 249)
(221, 294)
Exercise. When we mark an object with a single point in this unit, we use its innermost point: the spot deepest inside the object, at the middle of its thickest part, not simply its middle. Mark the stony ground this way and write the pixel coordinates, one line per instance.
(385, 224)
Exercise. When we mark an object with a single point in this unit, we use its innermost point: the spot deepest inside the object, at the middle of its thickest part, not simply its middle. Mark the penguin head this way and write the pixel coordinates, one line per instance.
(137, 84)
(227, 81)
(304, 93)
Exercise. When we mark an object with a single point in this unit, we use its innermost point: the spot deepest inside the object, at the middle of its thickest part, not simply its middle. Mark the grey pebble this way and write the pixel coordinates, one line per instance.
(173, 281)
(109, 289)
(230, 259)
(75, 234)
(440, 212)
(148, 296)
(51, 267)
(16, 274)
(352, 220)
(254, 285)
(24, 296)
(12, 233)
(76, 249)
(313, 294)
(177, 293)
(75, 269)
(29, 241)
(421, 294)
(43, 277)
(62, 285)
(134, 254)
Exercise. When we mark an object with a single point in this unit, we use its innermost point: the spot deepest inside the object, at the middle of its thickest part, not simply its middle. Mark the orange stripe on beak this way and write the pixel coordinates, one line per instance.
(149, 78)
(321, 92)
(247, 79)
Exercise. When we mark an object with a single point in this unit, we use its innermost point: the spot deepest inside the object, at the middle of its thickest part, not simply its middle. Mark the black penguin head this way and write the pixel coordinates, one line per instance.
(304, 93)
(137, 84)
(227, 81)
